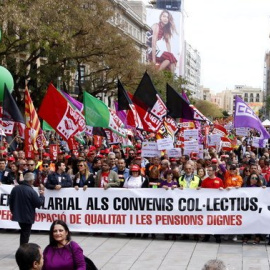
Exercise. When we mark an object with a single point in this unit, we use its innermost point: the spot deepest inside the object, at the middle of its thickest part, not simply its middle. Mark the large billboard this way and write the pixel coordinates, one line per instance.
(165, 41)
(169, 4)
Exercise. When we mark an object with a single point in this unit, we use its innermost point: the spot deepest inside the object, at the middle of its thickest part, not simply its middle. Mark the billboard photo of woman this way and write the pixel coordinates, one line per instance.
(159, 42)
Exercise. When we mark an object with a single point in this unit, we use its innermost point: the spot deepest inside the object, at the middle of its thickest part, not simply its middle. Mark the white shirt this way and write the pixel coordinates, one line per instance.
(133, 182)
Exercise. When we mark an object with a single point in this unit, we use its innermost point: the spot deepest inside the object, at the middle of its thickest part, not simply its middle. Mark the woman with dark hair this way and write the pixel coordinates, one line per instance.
(62, 253)
(14, 176)
(169, 182)
(162, 31)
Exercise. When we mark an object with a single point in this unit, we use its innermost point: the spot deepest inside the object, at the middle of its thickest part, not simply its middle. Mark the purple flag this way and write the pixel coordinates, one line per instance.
(121, 114)
(244, 116)
(74, 101)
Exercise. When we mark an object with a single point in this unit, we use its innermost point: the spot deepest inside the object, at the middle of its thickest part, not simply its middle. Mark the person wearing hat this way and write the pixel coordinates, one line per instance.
(23, 202)
(106, 178)
(90, 158)
(136, 180)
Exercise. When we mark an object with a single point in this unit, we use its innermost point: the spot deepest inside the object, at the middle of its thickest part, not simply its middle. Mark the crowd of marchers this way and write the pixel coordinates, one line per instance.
(116, 167)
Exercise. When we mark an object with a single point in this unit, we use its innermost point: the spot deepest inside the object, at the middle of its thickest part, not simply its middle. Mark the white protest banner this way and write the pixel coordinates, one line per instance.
(229, 126)
(191, 146)
(201, 151)
(204, 211)
(165, 144)
(191, 134)
(256, 142)
(150, 149)
(174, 152)
(242, 131)
(214, 139)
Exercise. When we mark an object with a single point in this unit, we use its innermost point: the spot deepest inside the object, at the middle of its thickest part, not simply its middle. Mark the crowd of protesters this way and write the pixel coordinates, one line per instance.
(113, 166)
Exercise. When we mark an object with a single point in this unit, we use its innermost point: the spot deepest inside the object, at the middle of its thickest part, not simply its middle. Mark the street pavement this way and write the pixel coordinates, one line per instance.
(125, 252)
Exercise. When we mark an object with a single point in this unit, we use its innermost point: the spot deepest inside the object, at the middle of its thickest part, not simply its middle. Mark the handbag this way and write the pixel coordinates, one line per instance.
(88, 262)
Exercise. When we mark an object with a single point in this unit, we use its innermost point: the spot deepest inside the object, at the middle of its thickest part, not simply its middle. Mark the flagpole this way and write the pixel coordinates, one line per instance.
(12, 140)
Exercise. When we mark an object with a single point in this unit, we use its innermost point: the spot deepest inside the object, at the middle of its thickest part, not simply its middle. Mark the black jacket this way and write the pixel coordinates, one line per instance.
(58, 179)
(23, 202)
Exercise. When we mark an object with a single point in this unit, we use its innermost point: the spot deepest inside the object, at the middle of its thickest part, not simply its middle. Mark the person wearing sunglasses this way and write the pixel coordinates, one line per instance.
(31, 168)
(83, 178)
(44, 173)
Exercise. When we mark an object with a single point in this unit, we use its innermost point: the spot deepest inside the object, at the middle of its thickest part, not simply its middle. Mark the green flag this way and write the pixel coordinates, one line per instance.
(46, 126)
(97, 114)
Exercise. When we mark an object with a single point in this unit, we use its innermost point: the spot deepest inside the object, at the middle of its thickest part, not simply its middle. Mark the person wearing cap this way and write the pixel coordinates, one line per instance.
(106, 178)
(59, 179)
(144, 161)
(173, 163)
(10, 160)
(122, 171)
(90, 157)
(60, 156)
(23, 202)
(136, 180)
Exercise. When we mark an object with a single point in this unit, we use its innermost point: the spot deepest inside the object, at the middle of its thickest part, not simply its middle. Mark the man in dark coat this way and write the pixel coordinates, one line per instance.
(23, 202)
(59, 179)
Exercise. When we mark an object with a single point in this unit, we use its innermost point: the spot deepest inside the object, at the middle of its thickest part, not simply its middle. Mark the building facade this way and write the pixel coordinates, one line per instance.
(267, 82)
(192, 71)
(252, 96)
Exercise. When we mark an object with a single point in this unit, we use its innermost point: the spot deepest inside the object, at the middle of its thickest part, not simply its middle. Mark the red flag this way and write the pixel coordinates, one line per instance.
(226, 144)
(54, 149)
(59, 114)
(149, 121)
(219, 129)
(28, 147)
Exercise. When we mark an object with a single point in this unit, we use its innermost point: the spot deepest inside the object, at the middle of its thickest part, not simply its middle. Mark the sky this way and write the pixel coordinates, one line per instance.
(232, 37)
